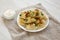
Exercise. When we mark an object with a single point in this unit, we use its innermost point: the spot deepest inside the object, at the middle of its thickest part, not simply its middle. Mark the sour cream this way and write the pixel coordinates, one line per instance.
(9, 14)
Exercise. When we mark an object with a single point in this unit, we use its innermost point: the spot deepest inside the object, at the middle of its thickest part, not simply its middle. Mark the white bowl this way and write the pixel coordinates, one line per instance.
(32, 30)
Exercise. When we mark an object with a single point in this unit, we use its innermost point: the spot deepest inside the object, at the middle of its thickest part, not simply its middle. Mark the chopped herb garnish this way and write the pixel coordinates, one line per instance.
(35, 23)
(32, 13)
(42, 14)
(29, 10)
(20, 14)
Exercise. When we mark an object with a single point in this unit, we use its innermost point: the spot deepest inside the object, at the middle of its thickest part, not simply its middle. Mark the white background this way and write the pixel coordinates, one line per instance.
(52, 6)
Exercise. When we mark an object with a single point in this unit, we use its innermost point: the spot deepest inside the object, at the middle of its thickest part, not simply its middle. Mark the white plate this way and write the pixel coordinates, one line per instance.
(32, 30)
